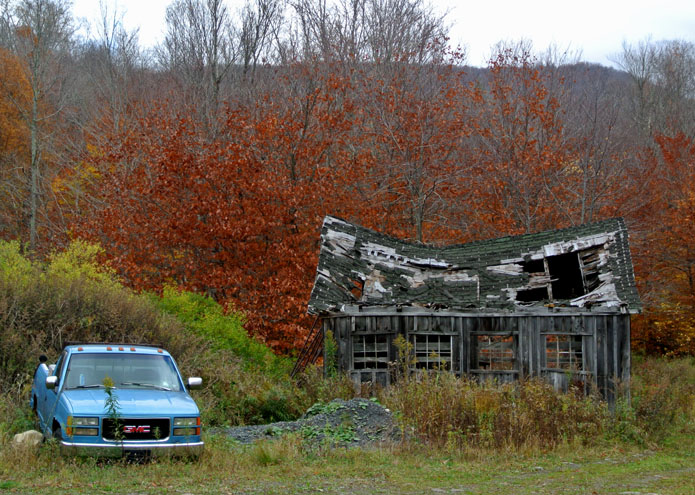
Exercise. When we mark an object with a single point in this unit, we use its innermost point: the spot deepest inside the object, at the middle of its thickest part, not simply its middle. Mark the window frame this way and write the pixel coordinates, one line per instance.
(474, 352)
(450, 362)
(577, 338)
(353, 354)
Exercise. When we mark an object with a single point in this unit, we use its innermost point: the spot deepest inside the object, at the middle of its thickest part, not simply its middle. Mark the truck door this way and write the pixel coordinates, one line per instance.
(47, 403)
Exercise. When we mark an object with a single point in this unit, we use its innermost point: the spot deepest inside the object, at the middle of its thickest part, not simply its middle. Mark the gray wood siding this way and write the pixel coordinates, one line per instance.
(604, 341)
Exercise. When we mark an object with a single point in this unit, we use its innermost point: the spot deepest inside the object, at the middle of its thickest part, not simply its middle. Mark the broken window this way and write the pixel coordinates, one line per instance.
(560, 277)
(564, 352)
(370, 351)
(433, 351)
(494, 352)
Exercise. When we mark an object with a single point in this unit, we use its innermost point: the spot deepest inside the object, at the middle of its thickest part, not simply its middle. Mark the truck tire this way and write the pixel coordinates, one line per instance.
(57, 433)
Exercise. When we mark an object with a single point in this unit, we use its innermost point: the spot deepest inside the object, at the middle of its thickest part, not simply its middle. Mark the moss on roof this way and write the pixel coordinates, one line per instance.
(358, 266)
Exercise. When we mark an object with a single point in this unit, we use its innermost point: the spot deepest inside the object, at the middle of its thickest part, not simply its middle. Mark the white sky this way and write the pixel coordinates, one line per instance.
(595, 27)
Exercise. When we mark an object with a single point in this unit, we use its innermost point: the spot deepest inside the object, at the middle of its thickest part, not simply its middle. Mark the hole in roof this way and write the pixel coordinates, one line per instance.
(533, 266)
(566, 276)
(532, 295)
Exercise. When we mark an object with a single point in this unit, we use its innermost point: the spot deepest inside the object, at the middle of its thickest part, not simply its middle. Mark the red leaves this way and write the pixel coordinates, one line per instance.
(666, 257)
(236, 217)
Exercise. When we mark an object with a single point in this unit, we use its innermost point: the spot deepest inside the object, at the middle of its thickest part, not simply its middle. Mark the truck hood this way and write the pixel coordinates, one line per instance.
(131, 402)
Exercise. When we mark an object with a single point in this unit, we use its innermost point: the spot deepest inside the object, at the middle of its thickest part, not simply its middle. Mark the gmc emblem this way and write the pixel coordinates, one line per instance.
(136, 429)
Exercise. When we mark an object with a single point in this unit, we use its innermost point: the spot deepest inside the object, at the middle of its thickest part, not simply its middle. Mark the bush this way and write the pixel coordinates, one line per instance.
(663, 394)
(14, 419)
(204, 317)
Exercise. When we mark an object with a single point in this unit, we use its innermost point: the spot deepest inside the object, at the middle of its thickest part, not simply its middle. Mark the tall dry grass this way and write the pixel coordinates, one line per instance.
(457, 413)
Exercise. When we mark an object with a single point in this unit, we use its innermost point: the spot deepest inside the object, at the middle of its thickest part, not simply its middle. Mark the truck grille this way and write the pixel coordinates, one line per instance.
(135, 429)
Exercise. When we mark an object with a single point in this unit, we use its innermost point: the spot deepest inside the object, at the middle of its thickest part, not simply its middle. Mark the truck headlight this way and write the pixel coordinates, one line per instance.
(186, 426)
(76, 421)
(76, 426)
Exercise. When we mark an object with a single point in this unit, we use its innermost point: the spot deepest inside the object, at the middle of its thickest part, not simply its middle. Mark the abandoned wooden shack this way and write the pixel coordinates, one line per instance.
(554, 304)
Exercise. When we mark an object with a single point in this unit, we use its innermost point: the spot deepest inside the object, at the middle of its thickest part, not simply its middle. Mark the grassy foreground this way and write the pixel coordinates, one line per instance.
(287, 466)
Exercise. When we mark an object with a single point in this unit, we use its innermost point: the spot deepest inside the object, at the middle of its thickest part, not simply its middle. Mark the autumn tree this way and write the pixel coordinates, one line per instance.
(519, 146)
(111, 67)
(663, 77)
(355, 31)
(415, 126)
(667, 257)
(234, 217)
(14, 146)
(259, 28)
(38, 33)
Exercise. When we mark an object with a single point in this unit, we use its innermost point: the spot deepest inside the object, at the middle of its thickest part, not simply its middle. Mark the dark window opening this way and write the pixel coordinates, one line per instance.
(370, 352)
(566, 276)
(532, 295)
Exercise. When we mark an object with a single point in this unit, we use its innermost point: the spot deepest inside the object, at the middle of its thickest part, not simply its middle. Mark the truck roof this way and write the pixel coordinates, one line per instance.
(115, 348)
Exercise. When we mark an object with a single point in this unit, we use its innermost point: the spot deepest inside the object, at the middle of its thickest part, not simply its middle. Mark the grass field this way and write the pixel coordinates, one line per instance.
(290, 466)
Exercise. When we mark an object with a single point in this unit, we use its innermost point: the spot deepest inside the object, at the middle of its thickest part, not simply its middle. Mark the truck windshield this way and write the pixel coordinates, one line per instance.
(126, 371)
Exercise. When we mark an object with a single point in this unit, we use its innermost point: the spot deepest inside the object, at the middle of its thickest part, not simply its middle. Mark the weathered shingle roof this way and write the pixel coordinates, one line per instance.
(361, 267)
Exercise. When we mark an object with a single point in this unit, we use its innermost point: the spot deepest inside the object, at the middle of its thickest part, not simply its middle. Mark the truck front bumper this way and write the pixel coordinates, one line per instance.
(186, 449)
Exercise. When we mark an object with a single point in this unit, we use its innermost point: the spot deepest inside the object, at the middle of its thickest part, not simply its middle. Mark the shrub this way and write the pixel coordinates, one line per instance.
(205, 317)
(663, 394)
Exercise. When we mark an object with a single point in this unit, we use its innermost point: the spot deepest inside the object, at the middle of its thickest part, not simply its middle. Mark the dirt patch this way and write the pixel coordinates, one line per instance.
(355, 422)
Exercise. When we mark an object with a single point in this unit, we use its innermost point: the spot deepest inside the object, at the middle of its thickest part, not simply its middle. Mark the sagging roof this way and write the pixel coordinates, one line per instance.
(581, 268)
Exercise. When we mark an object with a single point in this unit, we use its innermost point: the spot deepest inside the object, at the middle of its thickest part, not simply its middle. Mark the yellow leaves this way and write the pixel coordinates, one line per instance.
(80, 261)
(69, 185)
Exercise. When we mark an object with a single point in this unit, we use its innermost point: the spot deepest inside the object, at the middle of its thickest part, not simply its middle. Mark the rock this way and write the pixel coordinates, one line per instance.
(31, 438)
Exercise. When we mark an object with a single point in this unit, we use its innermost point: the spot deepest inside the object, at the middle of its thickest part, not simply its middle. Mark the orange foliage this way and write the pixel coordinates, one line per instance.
(235, 217)
(14, 144)
(669, 253)
(414, 136)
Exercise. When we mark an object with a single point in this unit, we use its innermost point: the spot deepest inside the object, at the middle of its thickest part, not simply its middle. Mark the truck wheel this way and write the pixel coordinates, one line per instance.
(57, 433)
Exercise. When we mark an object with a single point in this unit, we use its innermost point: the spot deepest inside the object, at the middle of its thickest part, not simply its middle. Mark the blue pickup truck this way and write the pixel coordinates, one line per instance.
(112, 399)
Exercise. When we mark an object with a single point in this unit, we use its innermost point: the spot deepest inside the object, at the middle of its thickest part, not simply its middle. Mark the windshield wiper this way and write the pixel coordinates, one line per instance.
(94, 385)
(138, 384)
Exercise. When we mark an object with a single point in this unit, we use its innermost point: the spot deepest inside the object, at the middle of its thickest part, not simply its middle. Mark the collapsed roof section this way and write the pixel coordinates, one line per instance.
(581, 268)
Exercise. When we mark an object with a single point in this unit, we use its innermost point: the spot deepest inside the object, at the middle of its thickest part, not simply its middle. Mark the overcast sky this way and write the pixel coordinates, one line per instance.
(596, 28)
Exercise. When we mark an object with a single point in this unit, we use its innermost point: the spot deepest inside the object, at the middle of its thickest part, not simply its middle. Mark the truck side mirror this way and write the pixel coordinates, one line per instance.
(195, 382)
(51, 382)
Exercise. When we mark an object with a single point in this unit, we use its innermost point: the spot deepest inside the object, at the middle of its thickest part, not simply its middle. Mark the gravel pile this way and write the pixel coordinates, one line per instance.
(356, 422)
